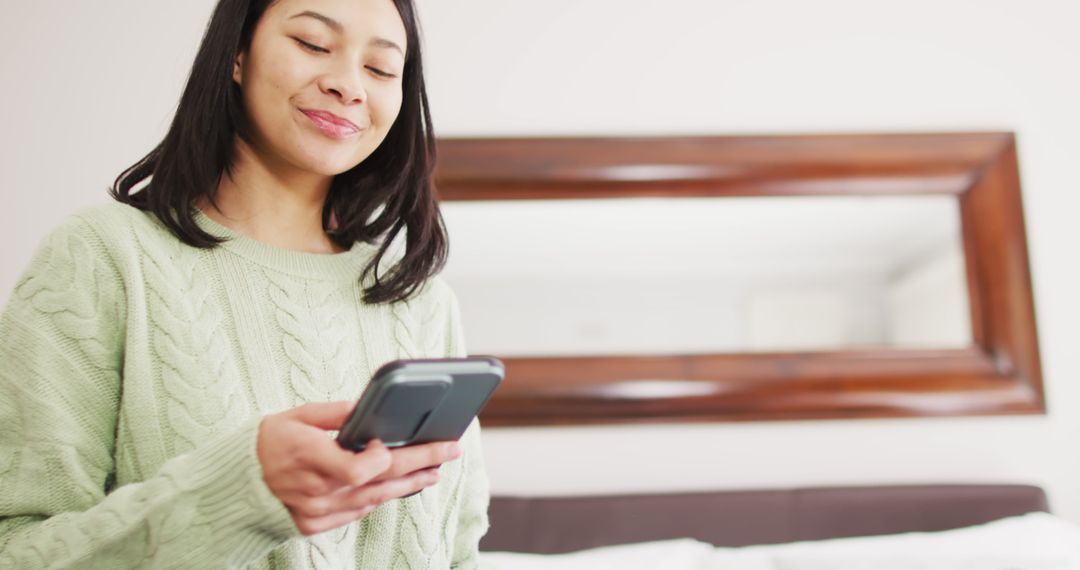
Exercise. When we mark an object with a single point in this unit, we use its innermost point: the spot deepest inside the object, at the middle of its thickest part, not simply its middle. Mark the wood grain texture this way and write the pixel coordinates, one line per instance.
(999, 374)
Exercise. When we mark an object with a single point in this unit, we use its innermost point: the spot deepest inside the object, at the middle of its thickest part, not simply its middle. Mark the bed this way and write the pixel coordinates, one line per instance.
(996, 527)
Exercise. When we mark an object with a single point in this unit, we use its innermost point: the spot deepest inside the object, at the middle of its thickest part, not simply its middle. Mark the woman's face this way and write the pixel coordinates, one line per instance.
(321, 82)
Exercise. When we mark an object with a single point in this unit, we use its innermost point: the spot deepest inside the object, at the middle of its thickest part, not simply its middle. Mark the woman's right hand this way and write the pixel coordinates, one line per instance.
(325, 486)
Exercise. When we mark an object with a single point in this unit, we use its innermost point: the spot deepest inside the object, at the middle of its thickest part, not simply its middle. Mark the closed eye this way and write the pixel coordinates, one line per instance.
(380, 72)
(311, 47)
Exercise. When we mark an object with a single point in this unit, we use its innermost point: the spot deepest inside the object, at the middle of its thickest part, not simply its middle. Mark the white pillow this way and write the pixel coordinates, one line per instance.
(1036, 541)
(678, 554)
(916, 561)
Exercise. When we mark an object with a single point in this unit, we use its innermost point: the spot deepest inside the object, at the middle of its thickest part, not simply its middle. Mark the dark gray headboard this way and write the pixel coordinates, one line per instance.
(739, 518)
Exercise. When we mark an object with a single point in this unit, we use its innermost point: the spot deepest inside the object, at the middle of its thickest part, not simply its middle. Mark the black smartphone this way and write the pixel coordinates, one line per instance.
(420, 401)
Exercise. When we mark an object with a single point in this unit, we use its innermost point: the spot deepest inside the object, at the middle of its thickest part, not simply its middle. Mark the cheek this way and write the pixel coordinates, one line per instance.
(388, 107)
(268, 86)
(277, 82)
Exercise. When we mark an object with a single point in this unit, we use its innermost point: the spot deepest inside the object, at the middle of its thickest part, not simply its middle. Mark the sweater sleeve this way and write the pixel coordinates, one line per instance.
(473, 513)
(61, 361)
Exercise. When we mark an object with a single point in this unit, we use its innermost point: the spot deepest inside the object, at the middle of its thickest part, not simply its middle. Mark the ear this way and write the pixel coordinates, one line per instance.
(237, 70)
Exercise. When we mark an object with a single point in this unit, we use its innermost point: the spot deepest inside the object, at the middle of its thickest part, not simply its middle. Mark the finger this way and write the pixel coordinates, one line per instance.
(323, 415)
(413, 458)
(383, 491)
(347, 467)
(309, 484)
(355, 499)
(304, 485)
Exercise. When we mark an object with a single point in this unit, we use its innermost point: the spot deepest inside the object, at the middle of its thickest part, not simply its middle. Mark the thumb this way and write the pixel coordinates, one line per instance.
(323, 415)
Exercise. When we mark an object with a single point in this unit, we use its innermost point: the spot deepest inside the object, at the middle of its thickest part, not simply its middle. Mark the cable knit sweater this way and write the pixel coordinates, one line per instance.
(134, 371)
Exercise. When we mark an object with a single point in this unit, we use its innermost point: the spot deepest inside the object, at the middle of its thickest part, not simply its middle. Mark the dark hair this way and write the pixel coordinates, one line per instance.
(396, 177)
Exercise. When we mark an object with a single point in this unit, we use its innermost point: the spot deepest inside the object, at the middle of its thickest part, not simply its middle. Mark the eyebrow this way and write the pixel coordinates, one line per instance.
(337, 27)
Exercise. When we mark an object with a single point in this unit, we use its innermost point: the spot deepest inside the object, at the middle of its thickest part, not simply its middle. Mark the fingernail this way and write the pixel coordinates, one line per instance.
(453, 449)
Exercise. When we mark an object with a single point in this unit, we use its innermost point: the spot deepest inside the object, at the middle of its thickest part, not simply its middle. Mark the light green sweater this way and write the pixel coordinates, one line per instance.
(134, 371)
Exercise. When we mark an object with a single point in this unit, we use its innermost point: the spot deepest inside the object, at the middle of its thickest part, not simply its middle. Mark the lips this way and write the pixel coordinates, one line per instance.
(330, 124)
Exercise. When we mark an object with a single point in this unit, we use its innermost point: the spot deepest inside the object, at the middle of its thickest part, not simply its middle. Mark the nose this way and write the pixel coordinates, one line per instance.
(345, 83)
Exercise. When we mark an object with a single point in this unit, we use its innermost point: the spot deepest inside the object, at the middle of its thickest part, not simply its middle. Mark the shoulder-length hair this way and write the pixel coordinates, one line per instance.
(389, 192)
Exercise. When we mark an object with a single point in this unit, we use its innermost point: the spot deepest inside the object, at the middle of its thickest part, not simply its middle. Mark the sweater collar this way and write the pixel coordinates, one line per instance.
(344, 265)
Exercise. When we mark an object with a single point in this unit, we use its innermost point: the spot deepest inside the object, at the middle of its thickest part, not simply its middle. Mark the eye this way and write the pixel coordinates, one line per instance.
(380, 73)
(311, 47)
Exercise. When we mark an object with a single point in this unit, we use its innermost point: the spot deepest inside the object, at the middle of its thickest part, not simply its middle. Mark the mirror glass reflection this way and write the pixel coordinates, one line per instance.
(708, 275)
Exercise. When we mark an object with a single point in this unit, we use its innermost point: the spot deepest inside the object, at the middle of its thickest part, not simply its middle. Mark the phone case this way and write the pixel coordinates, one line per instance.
(419, 401)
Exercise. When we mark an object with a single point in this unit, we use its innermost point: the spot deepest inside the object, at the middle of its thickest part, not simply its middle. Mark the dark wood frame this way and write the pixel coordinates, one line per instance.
(999, 374)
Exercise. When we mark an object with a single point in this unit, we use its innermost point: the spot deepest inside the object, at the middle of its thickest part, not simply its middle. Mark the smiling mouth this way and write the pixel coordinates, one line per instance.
(331, 125)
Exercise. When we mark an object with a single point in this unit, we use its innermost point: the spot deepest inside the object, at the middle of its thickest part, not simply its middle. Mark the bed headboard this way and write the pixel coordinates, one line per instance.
(739, 518)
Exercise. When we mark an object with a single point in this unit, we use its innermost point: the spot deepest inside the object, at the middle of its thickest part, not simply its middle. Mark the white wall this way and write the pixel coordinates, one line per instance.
(90, 86)
(609, 67)
(88, 89)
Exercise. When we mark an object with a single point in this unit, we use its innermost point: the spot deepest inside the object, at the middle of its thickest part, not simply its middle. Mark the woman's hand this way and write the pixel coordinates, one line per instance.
(325, 486)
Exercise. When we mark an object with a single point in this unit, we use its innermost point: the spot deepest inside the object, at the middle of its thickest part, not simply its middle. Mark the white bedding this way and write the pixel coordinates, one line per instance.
(1036, 541)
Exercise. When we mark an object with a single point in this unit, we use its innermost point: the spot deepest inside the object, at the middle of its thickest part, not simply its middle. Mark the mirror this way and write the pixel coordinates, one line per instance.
(709, 275)
(744, 278)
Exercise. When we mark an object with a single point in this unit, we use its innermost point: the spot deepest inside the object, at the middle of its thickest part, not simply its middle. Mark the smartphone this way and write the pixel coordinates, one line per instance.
(419, 401)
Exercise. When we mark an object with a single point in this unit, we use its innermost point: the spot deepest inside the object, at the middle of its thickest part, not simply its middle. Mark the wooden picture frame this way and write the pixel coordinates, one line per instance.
(999, 374)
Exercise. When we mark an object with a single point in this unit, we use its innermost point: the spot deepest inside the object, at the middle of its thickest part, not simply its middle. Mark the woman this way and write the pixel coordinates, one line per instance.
(171, 364)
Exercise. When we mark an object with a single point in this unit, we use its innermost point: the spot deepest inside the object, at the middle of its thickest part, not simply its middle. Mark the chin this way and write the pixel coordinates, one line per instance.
(329, 165)
(331, 169)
